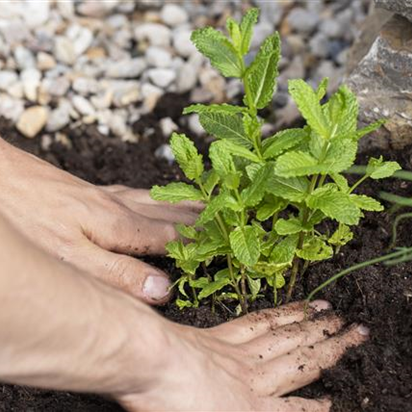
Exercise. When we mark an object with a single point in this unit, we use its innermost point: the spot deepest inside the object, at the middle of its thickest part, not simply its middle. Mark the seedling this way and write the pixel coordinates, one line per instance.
(264, 198)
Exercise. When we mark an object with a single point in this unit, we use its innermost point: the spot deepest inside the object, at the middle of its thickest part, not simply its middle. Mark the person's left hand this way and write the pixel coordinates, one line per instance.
(94, 228)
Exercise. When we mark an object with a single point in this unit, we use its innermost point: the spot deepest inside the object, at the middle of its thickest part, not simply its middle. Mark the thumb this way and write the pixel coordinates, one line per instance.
(124, 272)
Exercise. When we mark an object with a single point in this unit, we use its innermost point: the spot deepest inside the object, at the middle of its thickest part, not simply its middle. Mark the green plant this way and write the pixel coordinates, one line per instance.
(264, 198)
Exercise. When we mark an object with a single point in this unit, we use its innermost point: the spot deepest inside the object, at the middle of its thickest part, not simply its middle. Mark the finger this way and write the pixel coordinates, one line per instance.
(295, 404)
(142, 196)
(131, 233)
(304, 365)
(289, 337)
(259, 323)
(124, 272)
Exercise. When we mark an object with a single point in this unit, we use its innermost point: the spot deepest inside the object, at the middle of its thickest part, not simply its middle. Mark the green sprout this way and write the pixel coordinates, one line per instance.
(264, 198)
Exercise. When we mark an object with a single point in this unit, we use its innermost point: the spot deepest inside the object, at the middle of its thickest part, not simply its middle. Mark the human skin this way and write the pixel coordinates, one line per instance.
(64, 329)
(96, 229)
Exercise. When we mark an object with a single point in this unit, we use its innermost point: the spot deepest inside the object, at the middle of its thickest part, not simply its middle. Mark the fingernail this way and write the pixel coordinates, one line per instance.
(156, 287)
(320, 305)
(363, 330)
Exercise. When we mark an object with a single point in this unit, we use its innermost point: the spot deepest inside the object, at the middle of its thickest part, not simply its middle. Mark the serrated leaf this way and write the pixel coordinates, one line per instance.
(241, 151)
(210, 179)
(234, 32)
(245, 245)
(322, 88)
(341, 181)
(288, 227)
(335, 204)
(269, 207)
(284, 252)
(218, 49)
(187, 156)
(366, 203)
(217, 204)
(341, 237)
(294, 189)
(370, 128)
(286, 139)
(308, 103)
(175, 193)
(189, 232)
(246, 28)
(262, 73)
(182, 304)
(379, 169)
(252, 169)
(295, 164)
(214, 108)
(212, 288)
(184, 256)
(224, 125)
(199, 283)
(254, 286)
(253, 194)
(315, 249)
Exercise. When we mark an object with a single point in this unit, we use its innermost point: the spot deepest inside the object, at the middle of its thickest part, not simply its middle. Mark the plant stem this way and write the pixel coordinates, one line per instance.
(243, 304)
(244, 289)
(360, 181)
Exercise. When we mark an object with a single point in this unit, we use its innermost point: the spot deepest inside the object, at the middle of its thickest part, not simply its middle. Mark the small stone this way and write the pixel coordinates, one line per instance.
(83, 106)
(16, 90)
(11, 108)
(302, 20)
(82, 41)
(194, 125)
(161, 77)
(165, 152)
(55, 87)
(66, 9)
(200, 95)
(123, 92)
(24, 58)
(331, 28)
(182, 43)
(94, 53)
(92, 8)
(31, 82)
(173, 15)
(168, 126)
(117, 124)
(319, 45)
(35, 13)
(214, 83)
(155, 34)
(126, 69)
(32, 121)
(60, 117)
(85, 86)
(45, 142)
(7, 78)
(296, 70)
(328, 69)
(45, 61)
(261, 31)
(62, 139)
(151, 95)
(158, 57)
(102, 100)
(186, 78)
(64, 50)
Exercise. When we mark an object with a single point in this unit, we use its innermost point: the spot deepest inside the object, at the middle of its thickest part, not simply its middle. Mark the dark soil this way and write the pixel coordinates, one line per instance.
(376, 377)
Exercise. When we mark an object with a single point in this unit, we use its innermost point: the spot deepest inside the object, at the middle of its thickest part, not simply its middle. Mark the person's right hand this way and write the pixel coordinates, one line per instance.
(248, 364)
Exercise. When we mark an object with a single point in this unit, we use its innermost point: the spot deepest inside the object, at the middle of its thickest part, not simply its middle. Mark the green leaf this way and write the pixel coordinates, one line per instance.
(315, 249)
(366, 203)
(254, 193)
(284, 140)
(309, 106)
(341, 181)
(322, 88)
(335, 204)
(341, 237)
(369, 129)
(284, 252)
(212, 288)
(189, 232)
(340, 156)
(187, 156)
(246, 28)
(245, 245)
(294, 164)
(184, 256)
(378, 169)
(175, 193)
(214, 108)
(211, 179)
(288, 227)
(224, 125)
(199, 283)
(269, 207)
(294, 189)
(241, 151)
(218, 203)
(182, 304)
(234, 32)
(218, 49)
(254, 286)
(262, 73)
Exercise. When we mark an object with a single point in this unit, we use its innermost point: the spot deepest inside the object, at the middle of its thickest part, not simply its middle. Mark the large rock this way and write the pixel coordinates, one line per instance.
(402, 7)
(383, 84)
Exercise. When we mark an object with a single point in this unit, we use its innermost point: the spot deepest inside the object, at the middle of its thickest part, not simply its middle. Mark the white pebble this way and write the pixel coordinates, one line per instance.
(158, 57)
(7, 78)
(173, 15)
(182, 43)
(156, 34)
(31, 81)
(83, 106)
(168, 126)
(64, 50)
(161, 77)
(32, 121)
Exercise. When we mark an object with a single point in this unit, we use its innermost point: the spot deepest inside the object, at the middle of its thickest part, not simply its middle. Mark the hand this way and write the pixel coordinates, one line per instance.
(93, 228)
(248, 364)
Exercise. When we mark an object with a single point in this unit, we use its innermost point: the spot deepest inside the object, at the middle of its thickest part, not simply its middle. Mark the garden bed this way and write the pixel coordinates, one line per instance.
(376, 377)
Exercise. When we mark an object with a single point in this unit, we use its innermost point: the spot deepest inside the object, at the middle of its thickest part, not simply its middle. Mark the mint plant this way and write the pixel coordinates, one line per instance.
(264, 198)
